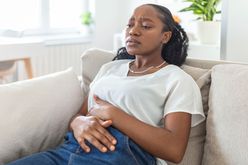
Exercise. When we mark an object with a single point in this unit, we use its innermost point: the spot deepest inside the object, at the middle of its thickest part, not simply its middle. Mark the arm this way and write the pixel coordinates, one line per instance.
(168, 143)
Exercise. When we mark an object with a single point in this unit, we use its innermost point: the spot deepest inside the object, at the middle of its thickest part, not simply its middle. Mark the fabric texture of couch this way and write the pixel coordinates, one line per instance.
(54, 99)
(34, 114)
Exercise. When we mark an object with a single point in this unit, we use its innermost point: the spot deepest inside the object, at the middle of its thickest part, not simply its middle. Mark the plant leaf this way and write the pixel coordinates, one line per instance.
(206, 8)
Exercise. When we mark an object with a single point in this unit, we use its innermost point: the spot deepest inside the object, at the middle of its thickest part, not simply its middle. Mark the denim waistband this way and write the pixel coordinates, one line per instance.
(127, 151)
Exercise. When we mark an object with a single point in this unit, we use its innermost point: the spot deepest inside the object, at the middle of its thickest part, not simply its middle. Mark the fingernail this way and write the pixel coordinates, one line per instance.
(114, 141)
(87, 150)
(112, 148)
(104, 149)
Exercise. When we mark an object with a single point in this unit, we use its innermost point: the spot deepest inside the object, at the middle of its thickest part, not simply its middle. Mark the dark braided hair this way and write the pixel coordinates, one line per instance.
(175, 50)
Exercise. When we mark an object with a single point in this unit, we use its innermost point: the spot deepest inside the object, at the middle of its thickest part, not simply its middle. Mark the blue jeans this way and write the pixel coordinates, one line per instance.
(70, 153)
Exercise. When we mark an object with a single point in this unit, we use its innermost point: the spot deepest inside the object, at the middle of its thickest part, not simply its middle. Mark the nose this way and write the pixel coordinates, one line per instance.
(134, 30)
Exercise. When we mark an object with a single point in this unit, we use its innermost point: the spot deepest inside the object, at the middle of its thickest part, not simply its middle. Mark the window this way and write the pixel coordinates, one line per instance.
(186, 17)
(18, 15)
(42, 16)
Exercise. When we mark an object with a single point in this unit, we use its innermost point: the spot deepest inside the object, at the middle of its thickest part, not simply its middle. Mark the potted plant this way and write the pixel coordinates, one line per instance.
(86, 22)
(208, 28)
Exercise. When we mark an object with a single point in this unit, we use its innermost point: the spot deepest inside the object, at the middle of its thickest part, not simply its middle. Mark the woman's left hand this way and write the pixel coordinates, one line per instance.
(104, 110)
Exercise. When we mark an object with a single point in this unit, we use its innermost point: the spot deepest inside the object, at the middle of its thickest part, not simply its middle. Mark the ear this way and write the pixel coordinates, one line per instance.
(166, 37)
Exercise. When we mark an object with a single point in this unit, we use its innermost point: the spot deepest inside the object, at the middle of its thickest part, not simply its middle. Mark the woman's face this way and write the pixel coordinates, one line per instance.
(144, 32)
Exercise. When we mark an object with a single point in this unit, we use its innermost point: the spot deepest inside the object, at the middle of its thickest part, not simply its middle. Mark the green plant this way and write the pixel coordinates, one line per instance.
(86, 18)
(204, 9)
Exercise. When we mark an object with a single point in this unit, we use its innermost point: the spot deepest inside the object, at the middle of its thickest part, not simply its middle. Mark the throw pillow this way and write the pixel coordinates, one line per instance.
(34, 114)
(227, 131)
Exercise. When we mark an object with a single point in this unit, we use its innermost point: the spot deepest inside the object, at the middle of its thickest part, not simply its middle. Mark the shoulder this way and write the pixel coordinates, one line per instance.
(178, 79)
(177, 74)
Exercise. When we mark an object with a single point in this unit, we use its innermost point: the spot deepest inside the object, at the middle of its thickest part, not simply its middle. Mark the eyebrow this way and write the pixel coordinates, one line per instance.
(142, 19)
(146, 19)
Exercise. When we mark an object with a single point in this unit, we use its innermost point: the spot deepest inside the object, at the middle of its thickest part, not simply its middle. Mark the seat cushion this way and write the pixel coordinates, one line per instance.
(34, 114)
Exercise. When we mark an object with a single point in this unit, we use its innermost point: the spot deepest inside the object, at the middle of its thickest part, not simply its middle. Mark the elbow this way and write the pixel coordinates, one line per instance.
(176, 155)
(177, 159)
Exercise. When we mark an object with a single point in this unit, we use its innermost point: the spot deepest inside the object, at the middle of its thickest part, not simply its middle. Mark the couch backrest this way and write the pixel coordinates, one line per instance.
(94, 58)
(205, 64)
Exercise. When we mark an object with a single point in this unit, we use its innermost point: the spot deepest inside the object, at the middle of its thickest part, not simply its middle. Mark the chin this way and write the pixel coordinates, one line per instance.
(132, 51)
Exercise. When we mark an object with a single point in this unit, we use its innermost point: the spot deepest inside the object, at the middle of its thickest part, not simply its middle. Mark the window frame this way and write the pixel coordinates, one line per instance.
(45, 28)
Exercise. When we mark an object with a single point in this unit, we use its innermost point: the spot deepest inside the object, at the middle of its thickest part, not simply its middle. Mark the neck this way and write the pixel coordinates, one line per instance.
(135, 69)
(142, 63)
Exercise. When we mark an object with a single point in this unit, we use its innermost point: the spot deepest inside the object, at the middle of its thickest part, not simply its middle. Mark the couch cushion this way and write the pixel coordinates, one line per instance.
(227, 131)
(194, 151)
(34, 114)
(92, 60)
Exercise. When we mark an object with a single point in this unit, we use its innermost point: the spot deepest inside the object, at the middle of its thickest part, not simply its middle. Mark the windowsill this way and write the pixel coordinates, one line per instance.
(198, 43)
(48, 40)
(204, 51)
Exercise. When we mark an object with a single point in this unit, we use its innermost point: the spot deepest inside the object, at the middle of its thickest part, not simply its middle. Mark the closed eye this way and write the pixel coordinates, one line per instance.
(146, 27)
(129, 25)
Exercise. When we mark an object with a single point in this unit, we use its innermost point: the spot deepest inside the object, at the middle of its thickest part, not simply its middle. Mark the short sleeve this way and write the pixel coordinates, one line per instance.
(109, 68)
(185, 96)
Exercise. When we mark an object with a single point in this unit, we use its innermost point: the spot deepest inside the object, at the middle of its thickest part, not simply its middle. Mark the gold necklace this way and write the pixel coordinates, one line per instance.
(143, 71)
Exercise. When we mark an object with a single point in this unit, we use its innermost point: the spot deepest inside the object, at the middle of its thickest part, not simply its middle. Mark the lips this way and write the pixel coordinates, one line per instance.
(132, 41)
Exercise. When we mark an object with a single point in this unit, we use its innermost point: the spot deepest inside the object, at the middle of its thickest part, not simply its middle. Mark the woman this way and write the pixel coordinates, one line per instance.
(140, 109)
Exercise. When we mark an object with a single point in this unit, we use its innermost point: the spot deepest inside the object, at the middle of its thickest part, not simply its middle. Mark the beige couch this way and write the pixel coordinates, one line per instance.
(34, 113)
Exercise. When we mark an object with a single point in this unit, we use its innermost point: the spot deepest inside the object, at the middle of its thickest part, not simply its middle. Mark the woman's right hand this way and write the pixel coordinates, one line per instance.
(93, 130)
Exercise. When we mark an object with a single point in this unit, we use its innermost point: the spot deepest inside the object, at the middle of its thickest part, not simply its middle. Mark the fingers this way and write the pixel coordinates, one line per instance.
(98, 140)
(103, 137)
(85, 147)
(93, 130)
(97, 99)
(106, 123)
(106, 138)
(95, 142)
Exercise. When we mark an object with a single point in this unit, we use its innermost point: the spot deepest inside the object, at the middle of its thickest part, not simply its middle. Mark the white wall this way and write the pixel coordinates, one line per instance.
(111, 16)
(133, 4)
(234, 42)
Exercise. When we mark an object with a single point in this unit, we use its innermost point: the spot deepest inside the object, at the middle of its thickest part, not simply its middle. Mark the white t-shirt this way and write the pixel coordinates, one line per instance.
(148, 97)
